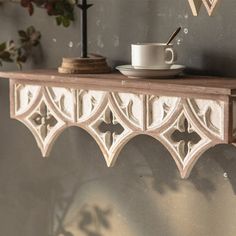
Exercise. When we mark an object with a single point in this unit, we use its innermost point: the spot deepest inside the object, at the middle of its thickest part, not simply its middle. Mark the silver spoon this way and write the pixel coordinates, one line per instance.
(173, 36)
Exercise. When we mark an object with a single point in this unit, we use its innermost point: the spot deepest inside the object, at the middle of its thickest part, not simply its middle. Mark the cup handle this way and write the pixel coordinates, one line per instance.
(171, 61)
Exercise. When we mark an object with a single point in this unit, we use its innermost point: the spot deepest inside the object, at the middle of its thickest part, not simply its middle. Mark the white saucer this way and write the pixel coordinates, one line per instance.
(131, 72)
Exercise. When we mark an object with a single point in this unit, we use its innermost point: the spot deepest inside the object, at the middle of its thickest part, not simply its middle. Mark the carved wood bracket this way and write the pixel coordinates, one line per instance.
(187, 127)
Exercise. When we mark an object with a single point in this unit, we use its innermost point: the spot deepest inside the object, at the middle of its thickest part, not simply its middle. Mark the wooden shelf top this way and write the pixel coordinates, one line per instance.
(118, 82)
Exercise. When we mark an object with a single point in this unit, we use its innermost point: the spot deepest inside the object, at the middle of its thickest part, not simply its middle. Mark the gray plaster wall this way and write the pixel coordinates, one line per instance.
(73, 193)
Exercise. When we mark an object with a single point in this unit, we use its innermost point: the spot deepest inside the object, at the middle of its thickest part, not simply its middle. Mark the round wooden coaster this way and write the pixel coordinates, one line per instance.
(94, 64)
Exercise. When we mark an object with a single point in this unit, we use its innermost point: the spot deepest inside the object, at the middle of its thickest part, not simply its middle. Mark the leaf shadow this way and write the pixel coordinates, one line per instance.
(90, 219)
(94, 219)
(165, 173)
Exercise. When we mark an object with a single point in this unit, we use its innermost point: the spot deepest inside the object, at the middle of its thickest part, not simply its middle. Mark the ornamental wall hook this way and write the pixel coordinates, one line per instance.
(209, 5)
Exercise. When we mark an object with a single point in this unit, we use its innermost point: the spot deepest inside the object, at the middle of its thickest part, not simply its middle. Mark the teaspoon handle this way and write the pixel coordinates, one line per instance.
(173, 36)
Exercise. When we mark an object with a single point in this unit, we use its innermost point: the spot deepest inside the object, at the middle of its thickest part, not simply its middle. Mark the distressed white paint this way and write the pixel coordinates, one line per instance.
(110, 142)
(132, 107)
(25, 97)
(210, 113)
(160, 109)
(87, 102)
(63, 99)
(114, 118)
(177, 148)
(44, 124)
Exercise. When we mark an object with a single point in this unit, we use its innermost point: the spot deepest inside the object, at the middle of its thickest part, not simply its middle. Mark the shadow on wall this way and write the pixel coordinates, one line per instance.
(32, 191)
(129, 192)
(166, 176)
(225, 157)
(96, 217)
(164, 170)
(91, 220)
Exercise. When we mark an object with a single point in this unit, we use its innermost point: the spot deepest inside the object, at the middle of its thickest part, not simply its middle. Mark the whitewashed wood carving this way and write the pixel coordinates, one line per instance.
(25, 97)
(64, 100)
(159, 110)
(111, 133)
(87, 102)
(185, 141)
(210, 114)
(209, 5)
(186, 127)
(44, 124)
(132, 108)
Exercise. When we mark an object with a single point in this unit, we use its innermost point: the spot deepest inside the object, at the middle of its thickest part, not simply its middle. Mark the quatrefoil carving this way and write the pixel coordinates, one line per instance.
(44, 124)
(43, 120)
(111, 133)
(110, 128)
(185, 141)
(186, 127)
(185, 137)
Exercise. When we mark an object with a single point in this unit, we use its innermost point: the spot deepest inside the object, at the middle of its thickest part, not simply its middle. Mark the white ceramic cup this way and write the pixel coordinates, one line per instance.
(152, 56)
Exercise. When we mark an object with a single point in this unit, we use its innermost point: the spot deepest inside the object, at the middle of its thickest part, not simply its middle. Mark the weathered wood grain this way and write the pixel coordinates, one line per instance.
(187, 84)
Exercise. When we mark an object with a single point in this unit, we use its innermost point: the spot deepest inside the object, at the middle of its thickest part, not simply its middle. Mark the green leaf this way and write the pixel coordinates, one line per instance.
(59, 20)
(6, 56)
(22, 59)
(66, 22)
(30, 30)
(3, 46)
(22, 34)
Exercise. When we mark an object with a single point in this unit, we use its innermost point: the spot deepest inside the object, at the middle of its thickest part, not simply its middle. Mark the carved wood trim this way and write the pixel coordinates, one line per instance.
(187, 127)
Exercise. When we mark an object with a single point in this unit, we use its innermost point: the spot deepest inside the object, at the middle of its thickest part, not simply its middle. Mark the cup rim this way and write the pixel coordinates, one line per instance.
(151, 44)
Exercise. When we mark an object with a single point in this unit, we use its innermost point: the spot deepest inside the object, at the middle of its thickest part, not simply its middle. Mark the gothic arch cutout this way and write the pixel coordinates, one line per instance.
(187, 127)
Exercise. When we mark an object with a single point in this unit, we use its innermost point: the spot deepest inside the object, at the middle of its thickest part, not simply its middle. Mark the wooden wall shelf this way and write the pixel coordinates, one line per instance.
(187, 115)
